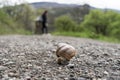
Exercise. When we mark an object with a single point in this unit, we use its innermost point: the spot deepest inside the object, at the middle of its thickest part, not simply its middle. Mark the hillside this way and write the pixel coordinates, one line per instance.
(33, 58)
(51, 5)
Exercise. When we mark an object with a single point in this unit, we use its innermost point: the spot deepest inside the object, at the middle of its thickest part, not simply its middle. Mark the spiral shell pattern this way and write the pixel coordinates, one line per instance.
(65, 51)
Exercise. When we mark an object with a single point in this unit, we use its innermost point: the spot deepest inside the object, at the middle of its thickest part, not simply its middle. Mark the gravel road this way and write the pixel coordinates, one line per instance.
(33, 58)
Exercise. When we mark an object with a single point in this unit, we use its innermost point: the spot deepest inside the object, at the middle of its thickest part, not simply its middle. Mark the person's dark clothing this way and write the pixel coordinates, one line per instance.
(44, 17)
(44, 21)
(44, 27)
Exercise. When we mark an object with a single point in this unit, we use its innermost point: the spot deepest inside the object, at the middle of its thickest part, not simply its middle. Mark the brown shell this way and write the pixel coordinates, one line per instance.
(66, 51)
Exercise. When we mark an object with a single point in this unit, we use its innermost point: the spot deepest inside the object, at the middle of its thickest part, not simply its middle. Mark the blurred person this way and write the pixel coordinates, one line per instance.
(44, 22)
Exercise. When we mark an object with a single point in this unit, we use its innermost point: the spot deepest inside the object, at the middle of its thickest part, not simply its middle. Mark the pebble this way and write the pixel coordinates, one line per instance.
(106, 73)
(13, 74)
(71, 66)
(3, 68)
(33, 58)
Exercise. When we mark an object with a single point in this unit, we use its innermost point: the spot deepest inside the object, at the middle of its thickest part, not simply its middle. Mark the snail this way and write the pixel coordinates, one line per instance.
(65, 53)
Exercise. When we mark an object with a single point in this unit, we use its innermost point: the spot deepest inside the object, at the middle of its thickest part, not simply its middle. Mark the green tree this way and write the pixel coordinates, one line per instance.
(104, 23)
(6, 23)
(65, 23)
(95, 22)
(114, 26)
(16, 18)
(22, 14)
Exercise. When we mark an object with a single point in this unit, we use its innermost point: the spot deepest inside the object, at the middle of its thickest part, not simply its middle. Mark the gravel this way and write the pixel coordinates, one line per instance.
(33, 58)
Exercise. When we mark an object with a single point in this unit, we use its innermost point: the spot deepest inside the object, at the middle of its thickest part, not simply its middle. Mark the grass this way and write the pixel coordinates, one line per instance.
(88, 35)
(74, 34)
(19, 31)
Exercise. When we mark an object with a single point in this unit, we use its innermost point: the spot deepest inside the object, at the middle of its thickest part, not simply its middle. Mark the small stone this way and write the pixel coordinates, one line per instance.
(71, 66)
(43, 78)
(13, 74)
(99, 79)
(28, 78)
(94, 79)
(53, 50)
(106, 73)
(66, 78)
(60, 68)
(71, 75)
(72, 78)
(10, 63)
(5, 76)
(29, 65)
(3, 68)
(81, 78)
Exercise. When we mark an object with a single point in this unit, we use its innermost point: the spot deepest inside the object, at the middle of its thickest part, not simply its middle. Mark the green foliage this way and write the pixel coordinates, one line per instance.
(5, 19)
(104, 23)
(87, 35)
(16, 19)
(65, 23)
(115, 29)
(95, 22)
(22, 14)
(98, 24)
(74, 34)
(6, 24)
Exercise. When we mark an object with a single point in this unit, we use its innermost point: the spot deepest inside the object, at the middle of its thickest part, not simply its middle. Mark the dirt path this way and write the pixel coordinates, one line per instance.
(33, 58)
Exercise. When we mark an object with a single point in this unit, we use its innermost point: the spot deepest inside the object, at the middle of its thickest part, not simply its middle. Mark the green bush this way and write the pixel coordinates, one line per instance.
(98, 24)
(65, 23)
(16, 19)
(104, 23)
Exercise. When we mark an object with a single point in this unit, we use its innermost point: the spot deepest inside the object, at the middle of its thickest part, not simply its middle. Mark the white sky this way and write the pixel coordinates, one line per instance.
(113, 4)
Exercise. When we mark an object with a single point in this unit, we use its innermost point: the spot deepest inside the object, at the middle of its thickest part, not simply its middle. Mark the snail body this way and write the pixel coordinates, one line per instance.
(65, 53)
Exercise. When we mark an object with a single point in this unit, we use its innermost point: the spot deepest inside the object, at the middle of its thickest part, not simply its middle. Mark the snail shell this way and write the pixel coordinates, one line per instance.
(65, 52)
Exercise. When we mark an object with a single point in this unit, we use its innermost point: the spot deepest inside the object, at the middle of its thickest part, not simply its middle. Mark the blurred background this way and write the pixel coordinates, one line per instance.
(96, 19)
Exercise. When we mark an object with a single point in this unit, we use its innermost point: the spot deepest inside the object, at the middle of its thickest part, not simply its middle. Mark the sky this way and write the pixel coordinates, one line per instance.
(112, 4)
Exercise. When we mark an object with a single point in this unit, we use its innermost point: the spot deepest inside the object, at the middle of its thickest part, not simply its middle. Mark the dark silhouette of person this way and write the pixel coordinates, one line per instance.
(44, 22)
